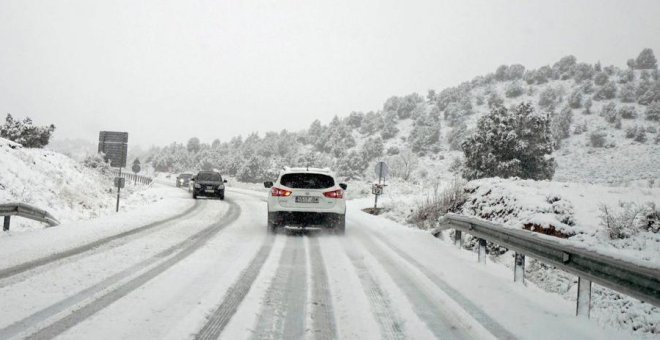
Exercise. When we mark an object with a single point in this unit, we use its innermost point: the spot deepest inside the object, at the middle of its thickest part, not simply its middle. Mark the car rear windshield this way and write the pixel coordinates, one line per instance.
(209, 176)
(307, 181)
(186, 175)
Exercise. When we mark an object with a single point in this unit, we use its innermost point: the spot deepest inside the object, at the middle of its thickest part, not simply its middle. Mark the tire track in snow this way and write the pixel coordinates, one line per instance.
(284, 311)
(431, 314)
(323, 319)
(50, 259)
(489, 323)
(391, 326)
(99, 294)
(235, 294)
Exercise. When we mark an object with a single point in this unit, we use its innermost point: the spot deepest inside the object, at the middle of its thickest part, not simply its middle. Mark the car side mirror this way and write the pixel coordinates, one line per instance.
(268, 184)
(193, 179)
(343, 186)
(224, 181)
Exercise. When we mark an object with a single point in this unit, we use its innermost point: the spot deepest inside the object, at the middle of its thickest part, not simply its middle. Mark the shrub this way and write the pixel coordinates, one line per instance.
(626, 76)
(26, 134)
(601, 78)
(428, 212)
(587, 106)
(549, 98)
(640, 136)
(628, 93)
(582, 71)
(507, 143)
(372, 148)
(392, 150)
(653, 111)
(575, 99)
(597, 139)
(513, 89)
(352, 165)
(628, 219)
(607, 91)
(456, 136)
(580, 128)
(561, 125)
(609, 112)
(628, 112)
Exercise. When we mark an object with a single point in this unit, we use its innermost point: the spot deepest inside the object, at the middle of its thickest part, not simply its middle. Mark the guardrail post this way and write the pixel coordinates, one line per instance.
(519, 268)
(458, 238)
(584, 298)
(482, 251)
(5, 225)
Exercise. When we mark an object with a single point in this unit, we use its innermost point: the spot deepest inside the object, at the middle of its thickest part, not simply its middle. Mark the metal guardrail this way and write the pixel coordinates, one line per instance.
(134, 178)
(626, 277)
(25, 210)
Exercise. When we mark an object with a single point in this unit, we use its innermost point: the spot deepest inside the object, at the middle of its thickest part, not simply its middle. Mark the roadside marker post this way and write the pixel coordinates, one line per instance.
(382, 171)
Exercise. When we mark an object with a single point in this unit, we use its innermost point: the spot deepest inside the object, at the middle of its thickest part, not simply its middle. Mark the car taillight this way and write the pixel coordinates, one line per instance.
(277, 192)
(334, 194)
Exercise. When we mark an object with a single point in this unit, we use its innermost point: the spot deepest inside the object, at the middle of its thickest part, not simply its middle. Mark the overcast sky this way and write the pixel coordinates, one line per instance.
(170, 70)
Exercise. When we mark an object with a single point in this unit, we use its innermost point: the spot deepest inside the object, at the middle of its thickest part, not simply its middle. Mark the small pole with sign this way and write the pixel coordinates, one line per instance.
(382, 171)
(136, 168)
(114, 146)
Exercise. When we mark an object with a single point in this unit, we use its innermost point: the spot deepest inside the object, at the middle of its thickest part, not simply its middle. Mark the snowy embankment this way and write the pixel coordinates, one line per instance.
(61, 186)
(568, 210)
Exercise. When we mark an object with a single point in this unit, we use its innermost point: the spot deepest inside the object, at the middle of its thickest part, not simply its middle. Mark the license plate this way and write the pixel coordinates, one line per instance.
(307, 199)
(210, 190)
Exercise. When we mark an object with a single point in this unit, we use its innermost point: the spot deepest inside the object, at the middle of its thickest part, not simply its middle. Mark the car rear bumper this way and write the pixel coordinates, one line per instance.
(215, 193)
(304, 218)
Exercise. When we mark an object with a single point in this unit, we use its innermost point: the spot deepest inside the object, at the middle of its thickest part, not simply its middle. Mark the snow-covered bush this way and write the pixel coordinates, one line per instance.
(392, 150)
(601, 78)
(587, 106)
(575, 99)
(354, 119)
(628, 112)
(646, 60)
(495, 101)
(389, 128)
(653, 111)
(351, 165)
(514, 142)
(580, 128)
(424, 135)
(640, 136)
(403, 164)
(427, 213)
(456, 136)
(549, 98)
(513, 89)
(97, 162)
(607, 91)
(25, 133)
(371, 123)
(561, 125)
(628, 219)
(628, 94)
(609, 112)
(582, 72)
(372, 148)
(597, 139)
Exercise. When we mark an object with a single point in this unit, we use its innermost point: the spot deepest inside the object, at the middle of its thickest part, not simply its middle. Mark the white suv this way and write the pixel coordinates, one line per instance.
(306, 197)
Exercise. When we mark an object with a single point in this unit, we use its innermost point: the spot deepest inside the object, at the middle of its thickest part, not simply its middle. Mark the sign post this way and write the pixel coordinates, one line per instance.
(114, 146)
(136, 168)
(382, 171)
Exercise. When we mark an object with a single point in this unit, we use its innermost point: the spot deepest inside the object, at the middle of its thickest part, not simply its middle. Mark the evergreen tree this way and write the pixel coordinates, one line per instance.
(508, 143)
(25, 133)
(646, 60)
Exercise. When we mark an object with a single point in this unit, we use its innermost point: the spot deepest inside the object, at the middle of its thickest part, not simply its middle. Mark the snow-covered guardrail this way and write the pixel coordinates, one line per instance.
(25, 210)
(133, 178)
(629, 278)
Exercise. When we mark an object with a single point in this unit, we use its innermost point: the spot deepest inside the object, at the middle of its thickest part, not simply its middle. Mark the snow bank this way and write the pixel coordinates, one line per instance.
(58, 184)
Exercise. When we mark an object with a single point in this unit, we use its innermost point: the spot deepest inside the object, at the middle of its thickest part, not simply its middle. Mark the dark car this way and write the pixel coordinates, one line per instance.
(208, 184)
(183, 180)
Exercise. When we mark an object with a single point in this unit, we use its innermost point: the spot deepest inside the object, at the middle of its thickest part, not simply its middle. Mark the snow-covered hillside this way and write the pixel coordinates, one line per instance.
(56, 183)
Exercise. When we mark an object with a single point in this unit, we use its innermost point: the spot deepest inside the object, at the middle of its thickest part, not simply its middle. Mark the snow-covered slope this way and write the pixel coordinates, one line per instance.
(56, 183)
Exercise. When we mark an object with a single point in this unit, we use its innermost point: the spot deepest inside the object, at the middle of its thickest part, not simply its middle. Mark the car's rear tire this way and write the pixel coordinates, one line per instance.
(340, 225)
(271, 226)
(194, 195)
(222, 197)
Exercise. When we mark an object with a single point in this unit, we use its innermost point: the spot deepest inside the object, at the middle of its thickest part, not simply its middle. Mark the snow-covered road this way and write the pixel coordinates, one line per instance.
(211, 271)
